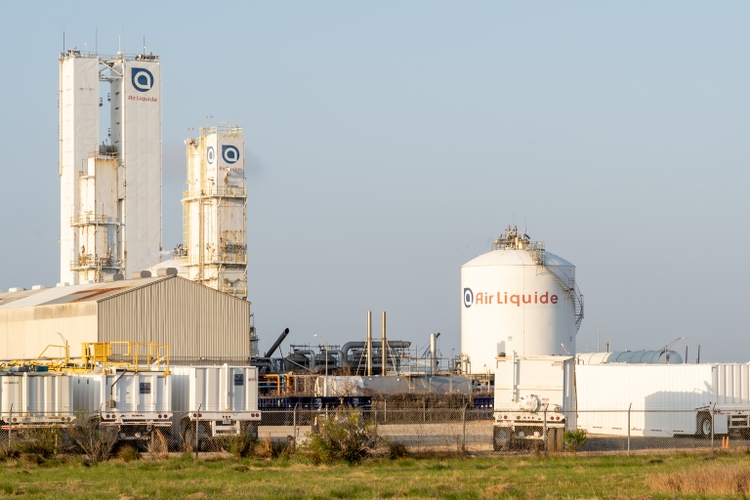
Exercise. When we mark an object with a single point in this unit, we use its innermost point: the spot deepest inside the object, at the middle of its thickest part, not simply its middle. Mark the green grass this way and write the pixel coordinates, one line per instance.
(526, 477)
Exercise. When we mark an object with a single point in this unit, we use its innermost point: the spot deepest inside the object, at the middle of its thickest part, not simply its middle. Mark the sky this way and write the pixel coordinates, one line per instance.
(388, 143)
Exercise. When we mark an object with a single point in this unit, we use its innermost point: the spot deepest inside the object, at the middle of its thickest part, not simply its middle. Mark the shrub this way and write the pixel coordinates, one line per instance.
(574, 440)
(128, 453)
(345, 436)
(241, 446)
(40, 442)
(97, 442)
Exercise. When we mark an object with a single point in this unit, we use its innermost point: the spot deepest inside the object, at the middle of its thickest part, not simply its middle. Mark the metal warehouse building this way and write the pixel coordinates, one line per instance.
(199, 323)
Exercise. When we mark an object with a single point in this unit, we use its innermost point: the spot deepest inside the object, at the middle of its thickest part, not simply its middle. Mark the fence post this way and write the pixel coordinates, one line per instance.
(629, 408)
(712, 425)
(544, 430)
(294, 422)
(197, 428)
(463, 422)
(10, 426)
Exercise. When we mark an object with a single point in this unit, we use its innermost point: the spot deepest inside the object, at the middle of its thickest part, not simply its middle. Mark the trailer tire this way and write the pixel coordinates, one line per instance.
(705, 426)
(500, 439)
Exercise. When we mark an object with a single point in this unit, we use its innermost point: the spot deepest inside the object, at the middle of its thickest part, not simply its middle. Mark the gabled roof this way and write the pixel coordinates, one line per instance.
(71, 294)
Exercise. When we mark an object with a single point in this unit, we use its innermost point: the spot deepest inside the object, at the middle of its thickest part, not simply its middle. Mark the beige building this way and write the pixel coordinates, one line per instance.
(200, 324)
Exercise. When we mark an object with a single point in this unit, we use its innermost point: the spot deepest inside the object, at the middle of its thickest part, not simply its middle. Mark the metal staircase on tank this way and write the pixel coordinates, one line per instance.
(513, 239)
(569, 285)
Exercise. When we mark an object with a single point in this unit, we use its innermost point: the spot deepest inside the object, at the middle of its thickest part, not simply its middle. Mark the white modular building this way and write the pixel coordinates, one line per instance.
(214, 210)
(663, 399)
(110, 188)
(519, 299)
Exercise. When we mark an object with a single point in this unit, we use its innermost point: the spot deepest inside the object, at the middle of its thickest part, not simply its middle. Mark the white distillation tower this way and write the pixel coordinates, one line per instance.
(110, 190)
(214, 210)
(519, 299)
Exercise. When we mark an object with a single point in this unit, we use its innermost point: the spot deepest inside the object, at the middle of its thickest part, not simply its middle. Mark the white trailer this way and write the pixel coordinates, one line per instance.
(534, 401)
(664, 400)
(218, 400)
(35, 399)
(135, 403)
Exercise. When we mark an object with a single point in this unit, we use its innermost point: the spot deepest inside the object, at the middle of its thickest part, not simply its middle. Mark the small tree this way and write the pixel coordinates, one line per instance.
(346, 436)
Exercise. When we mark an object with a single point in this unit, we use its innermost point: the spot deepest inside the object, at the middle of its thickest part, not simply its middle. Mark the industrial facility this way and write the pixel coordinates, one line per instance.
(110, 188)
(521, 307)
(214, 207)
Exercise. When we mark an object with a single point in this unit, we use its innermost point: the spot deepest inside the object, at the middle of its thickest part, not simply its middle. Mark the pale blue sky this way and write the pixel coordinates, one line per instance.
(392, 141)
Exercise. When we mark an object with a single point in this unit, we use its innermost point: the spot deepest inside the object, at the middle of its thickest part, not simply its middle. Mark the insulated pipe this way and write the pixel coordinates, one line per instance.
(347, 348)
(277, 343)
(369, 343)
(384, 350)
(433, 351)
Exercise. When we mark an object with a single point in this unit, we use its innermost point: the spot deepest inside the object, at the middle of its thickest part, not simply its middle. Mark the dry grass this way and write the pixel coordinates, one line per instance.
(157, 445)
(714, 479)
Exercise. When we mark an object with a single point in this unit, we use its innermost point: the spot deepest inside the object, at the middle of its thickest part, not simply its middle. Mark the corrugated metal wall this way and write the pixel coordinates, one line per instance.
(26, 331)
(194, 320)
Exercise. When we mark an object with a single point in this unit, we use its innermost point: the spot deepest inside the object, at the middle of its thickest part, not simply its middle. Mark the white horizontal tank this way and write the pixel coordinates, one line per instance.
(517, 298)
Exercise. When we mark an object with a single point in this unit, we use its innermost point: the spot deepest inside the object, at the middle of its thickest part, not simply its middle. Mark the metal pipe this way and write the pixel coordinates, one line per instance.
(277, 343)
(433, 352)
(111, 403)
(384, 350)
(369, 343)
(347, 348)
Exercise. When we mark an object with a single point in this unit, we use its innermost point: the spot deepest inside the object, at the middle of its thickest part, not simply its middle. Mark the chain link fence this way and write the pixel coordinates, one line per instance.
(417, 430)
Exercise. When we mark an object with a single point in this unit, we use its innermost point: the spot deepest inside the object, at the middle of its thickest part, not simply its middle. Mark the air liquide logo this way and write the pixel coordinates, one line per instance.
(230, 154)
(468, 297)
(509, 299)
(210, 155)
(142, 79)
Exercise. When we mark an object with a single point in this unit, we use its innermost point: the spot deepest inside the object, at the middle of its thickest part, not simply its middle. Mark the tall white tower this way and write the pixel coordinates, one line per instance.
(214, 210)
(110, 210)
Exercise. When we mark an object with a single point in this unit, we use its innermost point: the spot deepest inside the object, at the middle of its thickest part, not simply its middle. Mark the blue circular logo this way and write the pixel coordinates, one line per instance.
(143, 79)
(210, 154)
(468, 297)
(230, 154)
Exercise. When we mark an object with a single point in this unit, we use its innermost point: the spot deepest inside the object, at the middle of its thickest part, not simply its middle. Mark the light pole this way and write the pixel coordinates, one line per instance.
(325, 377)
(667, 346)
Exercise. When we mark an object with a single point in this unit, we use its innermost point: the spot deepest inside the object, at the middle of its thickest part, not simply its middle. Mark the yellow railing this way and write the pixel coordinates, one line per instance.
(132, 356)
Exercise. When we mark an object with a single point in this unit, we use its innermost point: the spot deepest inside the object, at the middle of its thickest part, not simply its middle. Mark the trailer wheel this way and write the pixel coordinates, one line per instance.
(704, 425)
(500, 439)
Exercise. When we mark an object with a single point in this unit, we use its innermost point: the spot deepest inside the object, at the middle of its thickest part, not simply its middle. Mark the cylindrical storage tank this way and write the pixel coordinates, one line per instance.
(519, 299)
(632, 357)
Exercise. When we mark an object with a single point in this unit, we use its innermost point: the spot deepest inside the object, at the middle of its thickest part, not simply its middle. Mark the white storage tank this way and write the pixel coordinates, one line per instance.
(36, 398)
(216, 400)
(660, 357)
(142, 392)
(517, 298)
(215, 388)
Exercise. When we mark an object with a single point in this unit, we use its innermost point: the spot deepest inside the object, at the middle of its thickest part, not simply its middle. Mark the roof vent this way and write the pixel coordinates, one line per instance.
(16, 289)
(167, 271)
(118, 277)
(38, 287)
(65, 283)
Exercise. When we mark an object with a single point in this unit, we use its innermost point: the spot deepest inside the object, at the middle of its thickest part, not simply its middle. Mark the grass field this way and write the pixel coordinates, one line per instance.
(225, 477)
